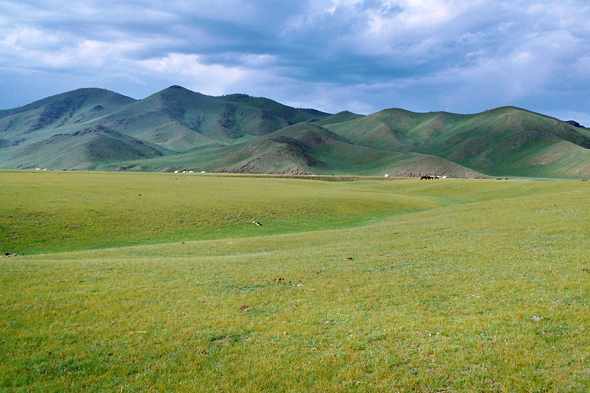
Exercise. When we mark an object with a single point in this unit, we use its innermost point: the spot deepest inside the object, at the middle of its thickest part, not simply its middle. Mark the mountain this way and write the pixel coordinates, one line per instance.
(180, 119)
(64, 111)
(502, 141)
(321, 151)
(83, 149)
(176, 128)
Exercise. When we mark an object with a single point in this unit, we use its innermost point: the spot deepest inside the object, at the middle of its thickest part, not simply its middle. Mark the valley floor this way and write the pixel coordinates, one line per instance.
(150, 282)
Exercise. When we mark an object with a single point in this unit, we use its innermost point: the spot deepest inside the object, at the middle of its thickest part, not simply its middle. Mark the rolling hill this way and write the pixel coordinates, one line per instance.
(76, 150)
(96, 129)
(502, 141)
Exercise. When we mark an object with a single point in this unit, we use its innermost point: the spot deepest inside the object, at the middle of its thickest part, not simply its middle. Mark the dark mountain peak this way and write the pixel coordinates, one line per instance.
(575, 124)
(74, 98)
(176, 89)
(394, 111)
(508, 109)
(340, 117)
(89, 90)
(236, 97)
(87, 93)
(177, 94)
(268, 104)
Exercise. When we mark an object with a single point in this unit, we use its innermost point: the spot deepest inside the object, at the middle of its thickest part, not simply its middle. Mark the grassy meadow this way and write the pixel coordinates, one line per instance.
(160, 282)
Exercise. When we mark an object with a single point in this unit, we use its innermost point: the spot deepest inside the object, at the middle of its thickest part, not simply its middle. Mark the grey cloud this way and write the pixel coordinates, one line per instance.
(463, 56)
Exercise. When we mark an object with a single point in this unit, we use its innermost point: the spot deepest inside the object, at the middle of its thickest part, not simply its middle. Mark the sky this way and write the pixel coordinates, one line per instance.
(461, 56)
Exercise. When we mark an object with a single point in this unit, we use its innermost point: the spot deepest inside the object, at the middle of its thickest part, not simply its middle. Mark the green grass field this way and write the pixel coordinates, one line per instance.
(160, 282)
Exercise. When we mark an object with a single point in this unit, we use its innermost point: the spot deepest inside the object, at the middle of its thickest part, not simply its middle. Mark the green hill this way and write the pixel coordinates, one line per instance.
(180, 119)
(506, 140)
(339, 118)
(83, 150)
(309, 149)
(70, 110)
(177, 129)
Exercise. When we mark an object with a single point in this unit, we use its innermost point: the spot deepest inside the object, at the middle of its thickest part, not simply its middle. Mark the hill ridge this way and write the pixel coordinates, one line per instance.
(177, 128)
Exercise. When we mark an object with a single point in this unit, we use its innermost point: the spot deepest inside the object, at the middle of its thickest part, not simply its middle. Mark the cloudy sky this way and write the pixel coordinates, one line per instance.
(462, 56)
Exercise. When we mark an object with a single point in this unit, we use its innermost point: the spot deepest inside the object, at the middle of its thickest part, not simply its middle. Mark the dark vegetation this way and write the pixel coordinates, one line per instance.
(96, 129)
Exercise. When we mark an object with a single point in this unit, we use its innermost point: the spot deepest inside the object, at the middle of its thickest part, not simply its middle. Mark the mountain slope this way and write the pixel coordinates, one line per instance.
(308, 148)
(502, 141)
(82, 150)
(68, 110)
(177, 128)
(180, 119)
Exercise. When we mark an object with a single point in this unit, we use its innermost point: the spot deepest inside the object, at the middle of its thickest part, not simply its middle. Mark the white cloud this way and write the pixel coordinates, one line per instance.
(25, 37)
(427, 13)
(257, 60)
(212, 79)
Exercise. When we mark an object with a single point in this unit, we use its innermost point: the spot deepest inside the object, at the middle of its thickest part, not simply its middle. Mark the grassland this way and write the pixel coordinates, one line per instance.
(450, 285)
(67, 211)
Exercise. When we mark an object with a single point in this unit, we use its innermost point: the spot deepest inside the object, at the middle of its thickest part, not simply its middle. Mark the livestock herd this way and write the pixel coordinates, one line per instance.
(428, 177)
